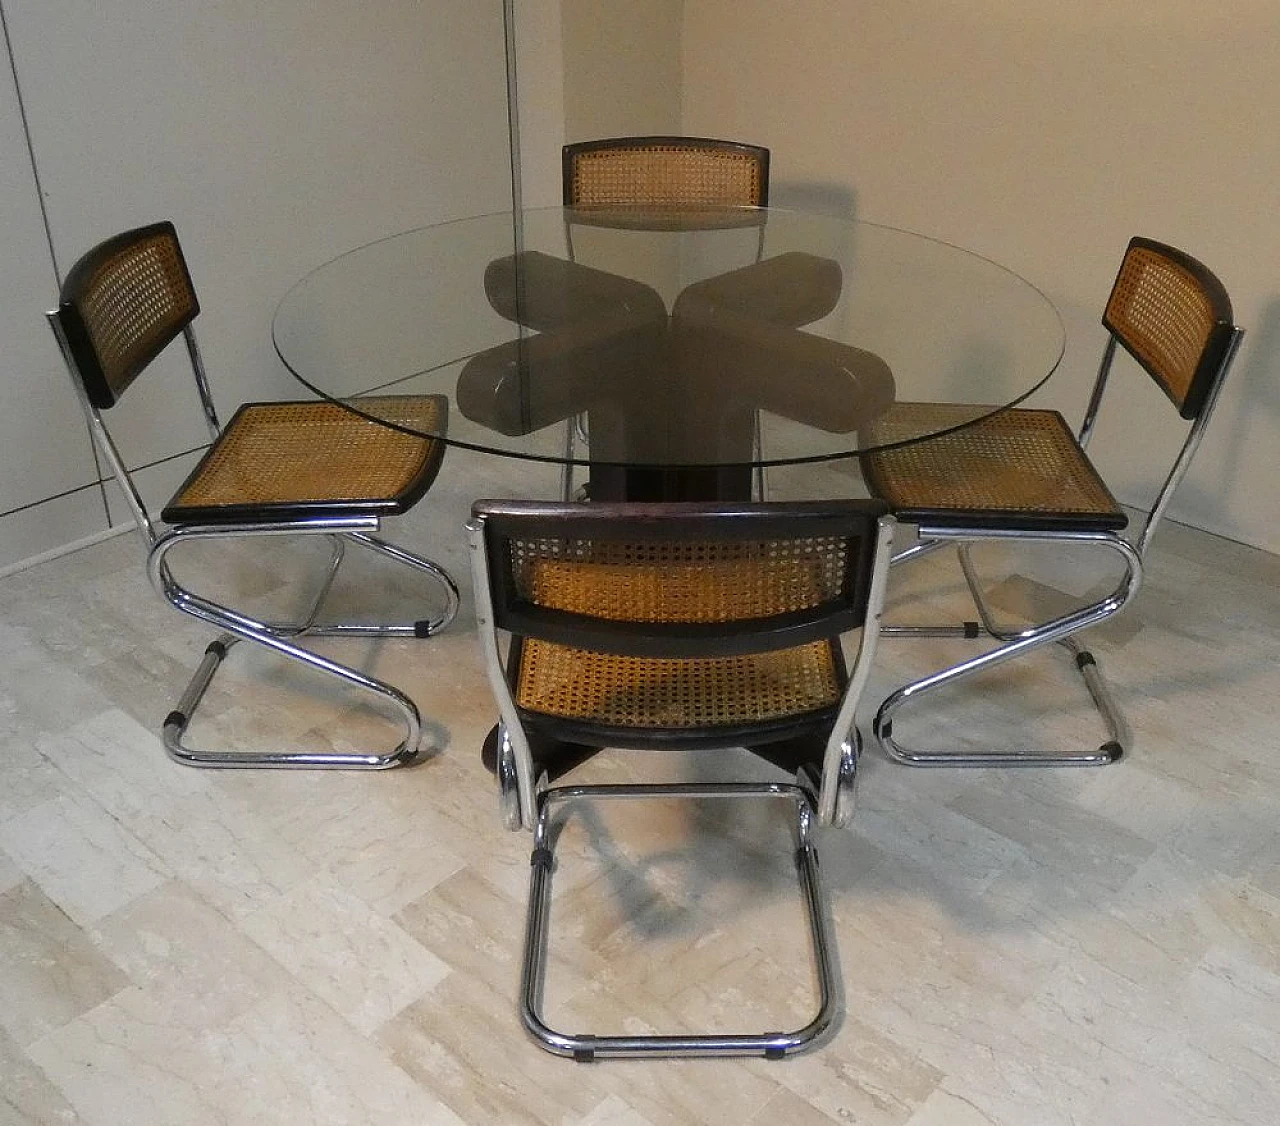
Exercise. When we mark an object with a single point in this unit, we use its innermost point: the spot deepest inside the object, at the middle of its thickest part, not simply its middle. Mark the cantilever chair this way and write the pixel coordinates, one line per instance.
(654, 183)
(276, 469)
(682, 626)
(1022, 477)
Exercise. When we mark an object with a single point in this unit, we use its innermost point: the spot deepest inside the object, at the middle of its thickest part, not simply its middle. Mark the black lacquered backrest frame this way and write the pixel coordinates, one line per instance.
(682, 555)
(1172, 315)
(692, 171)
(121, 304)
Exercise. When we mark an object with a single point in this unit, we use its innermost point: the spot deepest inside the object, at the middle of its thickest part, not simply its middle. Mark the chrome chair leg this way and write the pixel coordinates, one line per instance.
(1117, 726)
(585, 1047)
(846, 788)
(566, 467)
(283, 638)
(758, 450)
(575, 432)
(508, 782)
(1014, 643)
(961, 629)
(425, 627)
(241, 627)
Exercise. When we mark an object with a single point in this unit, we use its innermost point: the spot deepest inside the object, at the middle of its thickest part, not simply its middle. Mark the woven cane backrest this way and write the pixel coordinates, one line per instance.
(665, 172)
(679, 582)
(1174, 317)
(121, 304)
(649, 577)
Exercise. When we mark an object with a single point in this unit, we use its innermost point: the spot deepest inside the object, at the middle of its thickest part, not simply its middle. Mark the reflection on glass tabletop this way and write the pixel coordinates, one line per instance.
(713, 337)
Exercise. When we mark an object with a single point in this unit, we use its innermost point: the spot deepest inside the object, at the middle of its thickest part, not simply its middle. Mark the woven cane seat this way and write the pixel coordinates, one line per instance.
(673, 694)
(1016, 469)
(279, 461)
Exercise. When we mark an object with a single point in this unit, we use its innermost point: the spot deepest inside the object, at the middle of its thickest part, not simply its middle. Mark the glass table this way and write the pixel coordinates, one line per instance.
(686, 347)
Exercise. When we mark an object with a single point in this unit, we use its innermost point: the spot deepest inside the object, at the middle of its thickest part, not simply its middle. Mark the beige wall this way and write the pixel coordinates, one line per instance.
(1043, 135)
(38, 401)
(274, 135)
(540, 77)
(622, 67)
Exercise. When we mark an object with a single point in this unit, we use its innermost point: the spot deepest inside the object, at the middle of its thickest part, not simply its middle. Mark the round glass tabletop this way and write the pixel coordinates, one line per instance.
(717, 338)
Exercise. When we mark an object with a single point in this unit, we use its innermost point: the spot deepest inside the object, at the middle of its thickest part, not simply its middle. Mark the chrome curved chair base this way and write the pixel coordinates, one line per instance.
(1108, 752)
(1014, 643)
(283, 639)
(586, 1047)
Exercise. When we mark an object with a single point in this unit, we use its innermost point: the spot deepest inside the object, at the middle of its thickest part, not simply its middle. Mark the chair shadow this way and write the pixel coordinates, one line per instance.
(815, 197)
(711, 823)
(1251, 405)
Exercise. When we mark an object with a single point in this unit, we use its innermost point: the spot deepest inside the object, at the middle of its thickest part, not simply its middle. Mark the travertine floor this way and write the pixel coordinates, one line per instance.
(1022, 948)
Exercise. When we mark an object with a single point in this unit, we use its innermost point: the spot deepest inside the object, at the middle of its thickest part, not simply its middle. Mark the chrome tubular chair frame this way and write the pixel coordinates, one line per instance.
(1015, 644)
(585, 1047)
(824, 788)
(339, 529)
(1190, 293)
(283, 638)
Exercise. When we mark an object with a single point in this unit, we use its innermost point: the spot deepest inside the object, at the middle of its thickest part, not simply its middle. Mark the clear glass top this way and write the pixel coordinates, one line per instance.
(671, 332)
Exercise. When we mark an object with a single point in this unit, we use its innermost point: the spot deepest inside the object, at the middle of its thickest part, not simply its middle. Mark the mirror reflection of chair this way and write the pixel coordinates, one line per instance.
(686, 627)
(277, 469)
(657, 182)
(1021, 477)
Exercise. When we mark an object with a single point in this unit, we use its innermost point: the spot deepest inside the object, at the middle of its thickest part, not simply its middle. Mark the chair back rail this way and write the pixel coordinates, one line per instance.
(680, 580)
(665, 171)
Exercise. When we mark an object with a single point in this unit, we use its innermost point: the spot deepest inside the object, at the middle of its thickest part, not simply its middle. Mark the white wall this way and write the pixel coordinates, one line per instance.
(592, 68)
(274, 135)
(1043, 135)
(622, 67)
(540, 70)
